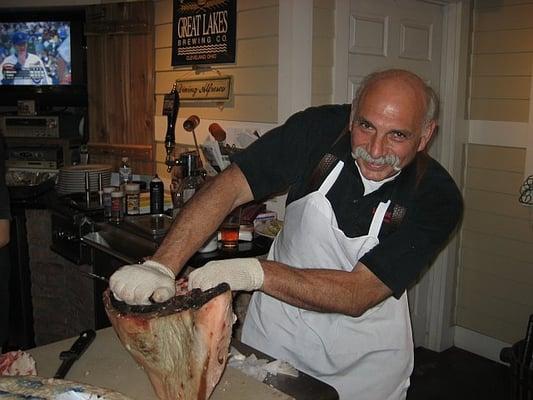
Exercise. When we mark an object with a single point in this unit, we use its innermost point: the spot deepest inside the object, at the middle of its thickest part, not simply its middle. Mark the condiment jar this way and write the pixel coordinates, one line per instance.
(133, 198)
(117, 213)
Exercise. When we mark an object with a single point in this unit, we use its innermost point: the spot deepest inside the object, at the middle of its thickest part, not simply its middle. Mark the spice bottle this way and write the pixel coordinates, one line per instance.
(156, 195)
(133, 194)
(106, 200)
(117, 210)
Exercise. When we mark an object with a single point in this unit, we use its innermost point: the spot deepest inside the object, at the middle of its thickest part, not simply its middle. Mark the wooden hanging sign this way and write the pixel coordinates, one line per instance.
(212, 89)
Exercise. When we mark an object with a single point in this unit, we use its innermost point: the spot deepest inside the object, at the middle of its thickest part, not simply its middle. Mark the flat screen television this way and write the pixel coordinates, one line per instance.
(43, 57)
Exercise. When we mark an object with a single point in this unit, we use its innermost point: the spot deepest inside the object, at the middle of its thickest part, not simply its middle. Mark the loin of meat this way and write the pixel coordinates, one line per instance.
(182, 344)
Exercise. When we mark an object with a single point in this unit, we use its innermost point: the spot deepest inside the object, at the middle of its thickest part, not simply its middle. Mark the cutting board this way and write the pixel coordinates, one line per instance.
(107, 364)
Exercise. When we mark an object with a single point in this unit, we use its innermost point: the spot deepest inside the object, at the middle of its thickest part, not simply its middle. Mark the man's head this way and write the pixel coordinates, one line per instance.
(394, 115)
(20, 40)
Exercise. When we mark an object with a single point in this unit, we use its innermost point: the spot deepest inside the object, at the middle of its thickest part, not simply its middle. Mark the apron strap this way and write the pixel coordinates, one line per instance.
(377, 220)
(327, 161)
(331, 178)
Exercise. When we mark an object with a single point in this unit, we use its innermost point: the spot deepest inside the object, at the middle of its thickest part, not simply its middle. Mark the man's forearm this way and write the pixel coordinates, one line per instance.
(324, 290)
(201, 216)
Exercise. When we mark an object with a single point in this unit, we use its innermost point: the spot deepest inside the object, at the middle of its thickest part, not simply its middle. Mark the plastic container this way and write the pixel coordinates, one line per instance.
(156, 196)
(133, 198)
(117, 207)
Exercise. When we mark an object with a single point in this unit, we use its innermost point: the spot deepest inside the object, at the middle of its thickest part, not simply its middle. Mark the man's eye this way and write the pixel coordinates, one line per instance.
(364, 125)
(399, 136)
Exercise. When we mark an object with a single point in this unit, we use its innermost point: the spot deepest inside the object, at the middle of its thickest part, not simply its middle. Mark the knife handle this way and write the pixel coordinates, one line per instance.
(80, 345)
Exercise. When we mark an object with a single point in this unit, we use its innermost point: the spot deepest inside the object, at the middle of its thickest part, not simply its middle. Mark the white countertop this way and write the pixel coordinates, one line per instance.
(107, 364)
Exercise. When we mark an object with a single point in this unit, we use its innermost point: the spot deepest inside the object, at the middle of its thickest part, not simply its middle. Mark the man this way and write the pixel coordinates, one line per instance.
(5, 216)
(23, 68)
(367, 211)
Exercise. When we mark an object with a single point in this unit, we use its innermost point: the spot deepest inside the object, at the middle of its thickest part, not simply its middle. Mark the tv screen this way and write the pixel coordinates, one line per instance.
(35, 53)
(43, 56)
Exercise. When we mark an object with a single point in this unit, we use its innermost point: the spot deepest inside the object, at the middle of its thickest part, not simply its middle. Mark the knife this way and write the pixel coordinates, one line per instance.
(70, 356)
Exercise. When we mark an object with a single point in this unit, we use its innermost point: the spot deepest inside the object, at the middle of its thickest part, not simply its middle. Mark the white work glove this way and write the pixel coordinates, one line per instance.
(135, 284)
(240, 273)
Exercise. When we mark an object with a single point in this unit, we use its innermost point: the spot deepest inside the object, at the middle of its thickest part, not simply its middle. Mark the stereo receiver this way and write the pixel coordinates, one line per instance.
(64, 125)
(30, 126)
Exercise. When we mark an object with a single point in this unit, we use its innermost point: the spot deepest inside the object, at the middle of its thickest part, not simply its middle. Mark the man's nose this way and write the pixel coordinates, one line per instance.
(377, 146)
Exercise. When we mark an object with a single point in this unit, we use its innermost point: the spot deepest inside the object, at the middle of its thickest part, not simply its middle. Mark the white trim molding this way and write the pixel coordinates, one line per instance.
(295, 57)
(479, 344)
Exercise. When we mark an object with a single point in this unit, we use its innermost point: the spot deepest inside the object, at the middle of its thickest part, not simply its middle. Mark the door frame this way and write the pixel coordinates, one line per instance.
(440, 299)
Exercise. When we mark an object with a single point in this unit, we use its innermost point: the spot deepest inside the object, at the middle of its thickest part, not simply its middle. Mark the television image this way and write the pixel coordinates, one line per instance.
(43, 56)
(35, 53)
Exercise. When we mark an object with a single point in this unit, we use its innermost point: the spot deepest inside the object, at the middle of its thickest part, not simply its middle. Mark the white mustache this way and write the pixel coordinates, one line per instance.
(390, 159)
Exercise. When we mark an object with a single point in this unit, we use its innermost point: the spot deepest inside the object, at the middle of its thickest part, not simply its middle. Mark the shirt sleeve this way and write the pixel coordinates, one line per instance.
(431, 218)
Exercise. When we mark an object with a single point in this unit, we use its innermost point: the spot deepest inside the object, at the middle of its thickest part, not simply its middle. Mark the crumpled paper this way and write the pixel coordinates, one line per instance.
(259, 368)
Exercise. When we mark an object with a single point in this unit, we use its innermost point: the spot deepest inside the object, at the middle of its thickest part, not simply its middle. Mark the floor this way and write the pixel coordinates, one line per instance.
(457, 374)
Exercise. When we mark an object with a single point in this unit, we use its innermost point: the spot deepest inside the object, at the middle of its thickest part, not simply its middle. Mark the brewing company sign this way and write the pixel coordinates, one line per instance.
(203, 32)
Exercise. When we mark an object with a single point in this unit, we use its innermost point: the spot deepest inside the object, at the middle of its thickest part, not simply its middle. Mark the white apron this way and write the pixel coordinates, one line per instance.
(369, 357)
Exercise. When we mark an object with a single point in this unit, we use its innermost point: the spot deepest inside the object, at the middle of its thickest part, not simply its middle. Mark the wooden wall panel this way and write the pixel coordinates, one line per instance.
(502, 64)
(499, 109)
(495, 277)
(254, 23)
(502, 54)
(496, 157)
(501, 18)
(498, 87)
(496, 205)
(510, 41)
(483, 4)
(120, 80)
(499, 224)
(494, 180)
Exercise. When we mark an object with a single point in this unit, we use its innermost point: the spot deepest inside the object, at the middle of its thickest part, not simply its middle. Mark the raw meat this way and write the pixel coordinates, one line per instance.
(182, 344)
(16, 363)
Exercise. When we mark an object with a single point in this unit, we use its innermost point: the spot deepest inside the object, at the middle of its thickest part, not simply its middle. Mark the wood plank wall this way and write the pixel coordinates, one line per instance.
(501, 60)
(495, 291)
(495, 279)
(255, 72)
(323, 52)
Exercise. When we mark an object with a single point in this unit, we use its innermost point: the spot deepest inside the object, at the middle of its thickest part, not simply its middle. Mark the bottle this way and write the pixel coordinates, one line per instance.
(156, 196)
(133, 193)
(106, 199)
(124, 173)
(117, 207)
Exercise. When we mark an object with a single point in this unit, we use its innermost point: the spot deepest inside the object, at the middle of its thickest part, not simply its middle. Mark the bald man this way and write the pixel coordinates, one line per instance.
(367, 211)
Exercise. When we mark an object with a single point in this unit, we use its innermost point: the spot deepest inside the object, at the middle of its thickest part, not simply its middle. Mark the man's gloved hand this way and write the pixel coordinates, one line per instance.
(240, 273)
(135, 284)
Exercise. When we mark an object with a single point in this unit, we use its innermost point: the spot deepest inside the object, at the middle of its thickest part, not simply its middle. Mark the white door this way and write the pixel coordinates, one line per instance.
(399, 34)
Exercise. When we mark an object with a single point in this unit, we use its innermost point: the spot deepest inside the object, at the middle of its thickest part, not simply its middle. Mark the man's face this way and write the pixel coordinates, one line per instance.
(389, 126)
(21, 48)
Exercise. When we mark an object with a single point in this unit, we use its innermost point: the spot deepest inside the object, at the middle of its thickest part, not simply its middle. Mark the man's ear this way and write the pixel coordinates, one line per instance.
(427, 133)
